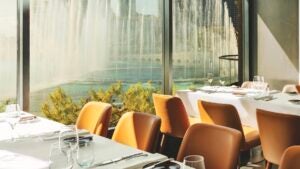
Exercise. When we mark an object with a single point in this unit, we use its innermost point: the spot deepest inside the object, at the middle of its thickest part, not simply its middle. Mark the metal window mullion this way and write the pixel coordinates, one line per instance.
(245, 42)
(167, 46)
(23, 54)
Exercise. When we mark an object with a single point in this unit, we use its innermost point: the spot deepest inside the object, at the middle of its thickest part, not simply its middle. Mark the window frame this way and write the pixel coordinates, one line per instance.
(23, 53)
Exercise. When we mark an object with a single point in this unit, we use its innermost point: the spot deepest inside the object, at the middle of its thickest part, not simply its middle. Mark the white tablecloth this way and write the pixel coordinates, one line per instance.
(37, 150)
(246, 105)
(38, 126)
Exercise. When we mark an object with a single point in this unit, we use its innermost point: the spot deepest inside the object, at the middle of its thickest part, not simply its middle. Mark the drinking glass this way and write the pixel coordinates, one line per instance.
(12, 124)
(60, 156)
(222, 81)
(13, 110)
(195, 161)
(85, 154)
(210, 78)
(69, 134)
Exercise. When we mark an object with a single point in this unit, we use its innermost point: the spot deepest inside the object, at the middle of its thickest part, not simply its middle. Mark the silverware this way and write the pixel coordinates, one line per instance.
(119, 159)
(156, 163)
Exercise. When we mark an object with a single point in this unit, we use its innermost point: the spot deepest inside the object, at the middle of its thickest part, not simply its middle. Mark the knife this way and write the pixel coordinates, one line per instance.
(119, 159)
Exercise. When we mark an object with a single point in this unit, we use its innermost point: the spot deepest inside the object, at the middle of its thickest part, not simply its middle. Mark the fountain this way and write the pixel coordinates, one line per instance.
(96, 41)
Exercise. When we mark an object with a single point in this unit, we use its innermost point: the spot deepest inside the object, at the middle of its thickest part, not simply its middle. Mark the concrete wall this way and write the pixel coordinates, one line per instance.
(276, 41)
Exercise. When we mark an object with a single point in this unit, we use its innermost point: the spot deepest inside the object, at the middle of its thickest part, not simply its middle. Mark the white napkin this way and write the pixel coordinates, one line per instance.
(10, 160)
(55, 135)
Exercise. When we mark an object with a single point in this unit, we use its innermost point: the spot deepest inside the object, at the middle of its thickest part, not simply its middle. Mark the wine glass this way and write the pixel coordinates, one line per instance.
(60, 156)
(210, 78)
(195, 161)
(222, 81)
(259, 84)
(69, 135)
(85, 154)
(12, 124)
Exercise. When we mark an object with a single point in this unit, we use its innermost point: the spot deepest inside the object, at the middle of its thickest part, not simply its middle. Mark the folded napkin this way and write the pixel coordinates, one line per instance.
(55, 135)
(265, 97)
(28, 118)
(11, 160)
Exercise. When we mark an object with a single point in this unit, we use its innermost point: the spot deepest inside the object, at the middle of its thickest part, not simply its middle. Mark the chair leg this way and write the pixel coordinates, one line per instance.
(268, 165)
(170, 146)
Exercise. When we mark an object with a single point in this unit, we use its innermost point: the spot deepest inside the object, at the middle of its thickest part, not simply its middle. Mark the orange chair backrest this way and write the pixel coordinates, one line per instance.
(290, 158)
(217, 144)
(138, 130)
(277, 132)
(95, 117)
(298, 88)
(173, 115)
(221, 114)
(290, 88)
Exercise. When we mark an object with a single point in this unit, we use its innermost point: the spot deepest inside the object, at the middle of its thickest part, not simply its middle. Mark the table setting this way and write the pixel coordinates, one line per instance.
(45, 144)
(245, 99)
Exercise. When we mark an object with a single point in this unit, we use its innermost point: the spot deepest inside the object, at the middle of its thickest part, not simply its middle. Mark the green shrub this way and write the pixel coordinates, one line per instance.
(6, 102)
(60, 107)
(138, 97)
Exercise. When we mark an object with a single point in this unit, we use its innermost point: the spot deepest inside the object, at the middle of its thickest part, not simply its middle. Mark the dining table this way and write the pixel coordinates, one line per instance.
(31, 148)
(246, 101)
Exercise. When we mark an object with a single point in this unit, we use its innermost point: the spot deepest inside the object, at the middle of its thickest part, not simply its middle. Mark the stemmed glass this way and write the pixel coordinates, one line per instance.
(85, 154)
(69, 135)
(195, 161)
(259, 84)
(222, 81)
(12, 124)
(210, 78)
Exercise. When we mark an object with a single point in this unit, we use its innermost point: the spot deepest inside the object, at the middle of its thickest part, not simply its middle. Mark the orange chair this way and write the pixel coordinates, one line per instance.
(138, 130)
(298, 88)
(175, 122)
(290, 158)
(217, 144)
(290, 88)
(227, 115)
(95, 117)
(277, 132)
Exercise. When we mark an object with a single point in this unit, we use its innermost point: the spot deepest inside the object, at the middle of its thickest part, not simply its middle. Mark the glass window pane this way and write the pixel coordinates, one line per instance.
(205, 41)
(8, 52)
(79, 47)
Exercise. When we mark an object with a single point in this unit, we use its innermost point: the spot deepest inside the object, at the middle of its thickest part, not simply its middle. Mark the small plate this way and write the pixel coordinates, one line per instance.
(295, 101)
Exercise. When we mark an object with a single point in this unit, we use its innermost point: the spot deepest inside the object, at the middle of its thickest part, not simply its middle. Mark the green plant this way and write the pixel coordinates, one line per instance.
(6, 102)
(60, 107)
(138, 97)
(112, 96)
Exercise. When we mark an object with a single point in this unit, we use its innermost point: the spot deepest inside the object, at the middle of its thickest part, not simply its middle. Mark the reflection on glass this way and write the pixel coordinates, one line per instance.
(205, 40)
(84, 45)
(8, 52)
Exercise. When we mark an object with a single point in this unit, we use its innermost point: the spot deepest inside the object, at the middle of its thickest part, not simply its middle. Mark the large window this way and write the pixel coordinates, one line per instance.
(82, 50)
(8, 52)
(112, 51)
(205, 42)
